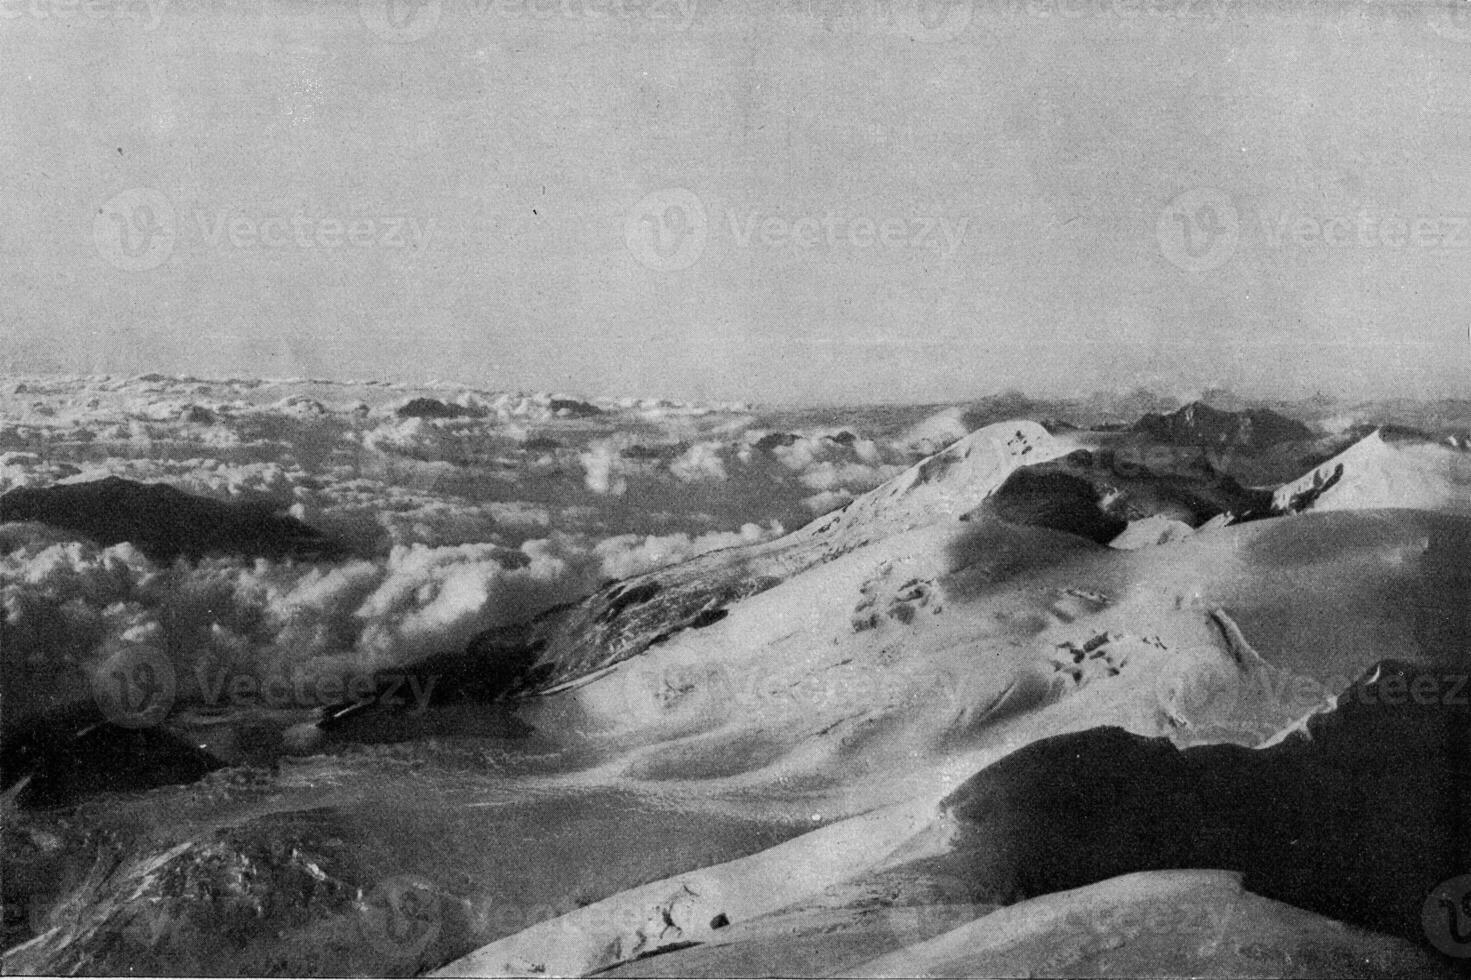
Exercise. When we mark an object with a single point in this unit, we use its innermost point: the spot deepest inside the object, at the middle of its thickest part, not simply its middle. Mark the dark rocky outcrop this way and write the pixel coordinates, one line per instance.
(165, 523)
(776, 440)
(572, 408)
(239, 899)
(1357, 818)
(661, 452)
(432, 408)
(1198, 424)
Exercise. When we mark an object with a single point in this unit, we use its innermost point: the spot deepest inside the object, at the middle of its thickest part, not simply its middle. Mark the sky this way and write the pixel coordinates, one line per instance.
(780, 201)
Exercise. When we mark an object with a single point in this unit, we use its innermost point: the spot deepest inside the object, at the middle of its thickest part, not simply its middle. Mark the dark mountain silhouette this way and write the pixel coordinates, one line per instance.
(573, 408)
(776, 440)
(165, 523)
(1197, 424)
(68, 753)
(432, 408)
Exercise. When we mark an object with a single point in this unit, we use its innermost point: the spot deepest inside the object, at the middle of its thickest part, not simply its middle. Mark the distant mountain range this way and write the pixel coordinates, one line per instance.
(1197, 424)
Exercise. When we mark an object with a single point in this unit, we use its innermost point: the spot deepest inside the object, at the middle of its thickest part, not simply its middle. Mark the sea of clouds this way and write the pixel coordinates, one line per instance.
(463, 508)
(488, 511)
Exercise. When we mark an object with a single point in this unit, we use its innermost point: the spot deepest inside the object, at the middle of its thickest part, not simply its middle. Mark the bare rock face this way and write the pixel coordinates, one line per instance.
(573, 408)
(240, 888)
(1358, 815)
(165, 523)
(1198, 424)
(432, 408)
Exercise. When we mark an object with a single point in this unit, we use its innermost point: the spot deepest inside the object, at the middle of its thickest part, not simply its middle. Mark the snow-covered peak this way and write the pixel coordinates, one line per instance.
(951, 482)
(1375, 473)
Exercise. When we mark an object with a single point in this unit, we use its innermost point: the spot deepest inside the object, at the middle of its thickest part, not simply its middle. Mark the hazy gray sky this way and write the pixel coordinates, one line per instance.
(811, 200)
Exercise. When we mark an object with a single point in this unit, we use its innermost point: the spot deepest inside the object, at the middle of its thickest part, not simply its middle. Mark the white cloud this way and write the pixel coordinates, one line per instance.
(601, 463)
(700, 463)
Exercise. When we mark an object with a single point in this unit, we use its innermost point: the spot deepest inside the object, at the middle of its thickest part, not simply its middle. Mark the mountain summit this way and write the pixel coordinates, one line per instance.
(1198, 424)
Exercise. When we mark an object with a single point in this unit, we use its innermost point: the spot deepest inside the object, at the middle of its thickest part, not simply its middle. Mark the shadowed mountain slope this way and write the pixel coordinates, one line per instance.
(1198, 424)
(166, 523)
(1356, 816)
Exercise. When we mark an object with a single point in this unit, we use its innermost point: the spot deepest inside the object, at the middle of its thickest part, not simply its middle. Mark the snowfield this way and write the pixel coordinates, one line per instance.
(333, 678)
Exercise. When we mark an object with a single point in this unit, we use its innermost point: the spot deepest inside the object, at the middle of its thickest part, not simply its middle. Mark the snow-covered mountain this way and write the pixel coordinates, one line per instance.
(1376, 473)
(921, 733)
